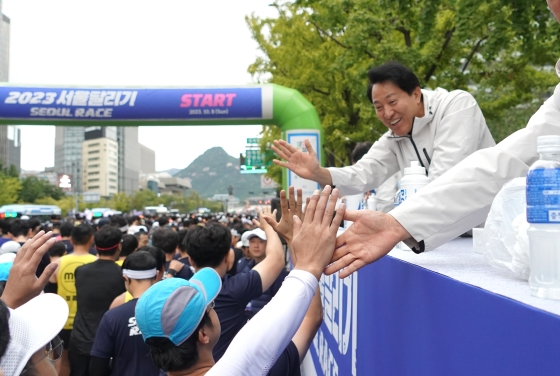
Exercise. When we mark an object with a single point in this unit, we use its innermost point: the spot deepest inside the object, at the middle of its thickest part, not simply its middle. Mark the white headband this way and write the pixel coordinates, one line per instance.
(139, 274)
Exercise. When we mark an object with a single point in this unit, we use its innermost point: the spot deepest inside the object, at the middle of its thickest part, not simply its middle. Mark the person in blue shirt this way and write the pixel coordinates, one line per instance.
(257, 250)
(209, 246)
(118, 337)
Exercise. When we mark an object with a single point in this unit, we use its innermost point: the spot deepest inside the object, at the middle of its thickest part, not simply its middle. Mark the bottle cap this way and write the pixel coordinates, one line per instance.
(548, 144)
(415, 168)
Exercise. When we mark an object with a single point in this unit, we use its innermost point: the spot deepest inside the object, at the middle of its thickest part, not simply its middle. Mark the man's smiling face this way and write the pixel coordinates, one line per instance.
(395, 107)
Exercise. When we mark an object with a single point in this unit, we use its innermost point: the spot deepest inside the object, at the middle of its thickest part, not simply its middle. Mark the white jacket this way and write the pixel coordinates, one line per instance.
(452, 128)
(461, 198)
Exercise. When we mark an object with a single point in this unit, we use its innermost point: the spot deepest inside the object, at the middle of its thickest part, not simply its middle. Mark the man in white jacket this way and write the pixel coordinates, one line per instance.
(437, 128)
(454, 203)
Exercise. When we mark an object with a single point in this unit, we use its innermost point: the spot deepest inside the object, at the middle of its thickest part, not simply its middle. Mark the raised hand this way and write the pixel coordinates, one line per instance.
(372, 235)
(261, 222)
(314, 239)
(286, 225)
(304, 165)
(23, 285)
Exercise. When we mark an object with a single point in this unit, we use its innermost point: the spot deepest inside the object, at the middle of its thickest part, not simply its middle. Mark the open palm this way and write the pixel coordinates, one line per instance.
(304, 165)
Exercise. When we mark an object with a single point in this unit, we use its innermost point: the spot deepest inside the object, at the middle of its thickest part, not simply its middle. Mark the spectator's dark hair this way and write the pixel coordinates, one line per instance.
(156, 253)
(163, 221)
(182, 235)
(166, 239)
(81, 234)
(66, 229)
(5, 328)
(5, 226)
(58, 249)
(107, 240)
(56, 225)
(19, 227)
(132, 219)
(394, 72)
(129, 245)
(141, 232)
(118, 221)
(360, 150)
(140, 261)
(34, 223)
(169, 357)
(208, 246)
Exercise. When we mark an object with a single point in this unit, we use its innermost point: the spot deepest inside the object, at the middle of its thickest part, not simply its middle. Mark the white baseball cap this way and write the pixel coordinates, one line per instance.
(28, 334)
(257, 233)
(10, 247)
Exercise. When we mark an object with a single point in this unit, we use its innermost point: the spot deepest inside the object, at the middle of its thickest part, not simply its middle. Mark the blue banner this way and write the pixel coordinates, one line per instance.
(132, 104)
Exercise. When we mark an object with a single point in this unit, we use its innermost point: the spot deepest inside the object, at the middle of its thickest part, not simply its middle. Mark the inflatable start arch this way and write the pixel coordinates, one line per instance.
(82, 106)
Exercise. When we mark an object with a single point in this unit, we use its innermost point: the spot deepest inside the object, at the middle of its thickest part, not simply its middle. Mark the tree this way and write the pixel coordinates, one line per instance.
(11, 187)
(33, 188)
(500, 51)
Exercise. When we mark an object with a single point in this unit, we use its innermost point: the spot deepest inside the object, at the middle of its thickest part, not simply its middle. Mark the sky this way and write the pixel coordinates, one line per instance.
(180, 43)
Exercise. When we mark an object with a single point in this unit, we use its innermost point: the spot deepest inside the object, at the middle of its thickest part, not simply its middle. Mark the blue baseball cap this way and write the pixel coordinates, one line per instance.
(174, 307)
(5, 268)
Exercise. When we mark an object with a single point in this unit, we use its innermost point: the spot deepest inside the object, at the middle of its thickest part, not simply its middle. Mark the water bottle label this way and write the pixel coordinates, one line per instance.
(543, 195)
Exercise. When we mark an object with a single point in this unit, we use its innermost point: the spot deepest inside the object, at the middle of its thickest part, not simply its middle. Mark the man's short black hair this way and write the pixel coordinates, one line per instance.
(4, 328)
(34, 223)
(169, 357)
(157, 254)
(19, 227)
(58, 249)
(140, 261)
(208, 246)
(66, 229)
(118, 221)
(81, 234)
(107, 240)
(129, 245)
(394, 72)
(182, 235)
(360, 150)
(5, 226)
(163, 221)
(132, 219)
(166, 239)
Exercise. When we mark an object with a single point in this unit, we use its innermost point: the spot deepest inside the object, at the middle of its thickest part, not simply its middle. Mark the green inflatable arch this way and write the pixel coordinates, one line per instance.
(122, 106)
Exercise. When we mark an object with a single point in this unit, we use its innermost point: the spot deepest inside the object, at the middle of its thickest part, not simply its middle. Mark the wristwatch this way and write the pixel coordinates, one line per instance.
(172, 272)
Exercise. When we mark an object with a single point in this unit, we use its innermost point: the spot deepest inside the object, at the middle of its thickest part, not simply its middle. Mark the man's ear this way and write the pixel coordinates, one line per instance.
(203, 337)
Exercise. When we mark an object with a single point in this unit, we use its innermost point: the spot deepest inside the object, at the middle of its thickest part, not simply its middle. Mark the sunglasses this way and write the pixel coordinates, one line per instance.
(53, 351)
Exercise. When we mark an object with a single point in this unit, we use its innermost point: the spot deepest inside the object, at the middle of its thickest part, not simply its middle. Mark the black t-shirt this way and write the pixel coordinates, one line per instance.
(259, 303)
(236, 292)
(185, 272)
(288, 363)
(238, 255)
(69, 246)
(97, 285)
(119, 337)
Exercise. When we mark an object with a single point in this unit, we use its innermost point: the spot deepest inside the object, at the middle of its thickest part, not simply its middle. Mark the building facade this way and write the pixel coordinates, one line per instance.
(147, 160)
(68, 153)
(10, 135)
(129, 159)
(100, 156)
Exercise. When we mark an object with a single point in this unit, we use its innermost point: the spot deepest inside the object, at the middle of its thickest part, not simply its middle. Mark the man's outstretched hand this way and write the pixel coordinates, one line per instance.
(304, 165)
(372, 235)
(314, 239)
(23, 285)
(289, 208)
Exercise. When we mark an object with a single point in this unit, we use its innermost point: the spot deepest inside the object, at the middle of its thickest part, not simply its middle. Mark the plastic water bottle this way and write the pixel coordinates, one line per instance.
(371, 202)
(413, 180)
(543, 215)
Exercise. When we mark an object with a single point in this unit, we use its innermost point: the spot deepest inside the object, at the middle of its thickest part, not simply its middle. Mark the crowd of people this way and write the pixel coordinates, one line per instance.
(156, 297)
(214, 295)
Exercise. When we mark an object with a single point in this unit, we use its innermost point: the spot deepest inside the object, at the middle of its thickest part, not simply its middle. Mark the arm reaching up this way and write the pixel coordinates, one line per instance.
(304, 165)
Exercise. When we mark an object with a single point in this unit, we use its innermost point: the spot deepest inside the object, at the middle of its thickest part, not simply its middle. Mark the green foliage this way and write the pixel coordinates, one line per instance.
(33, 189)
(501, 51)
